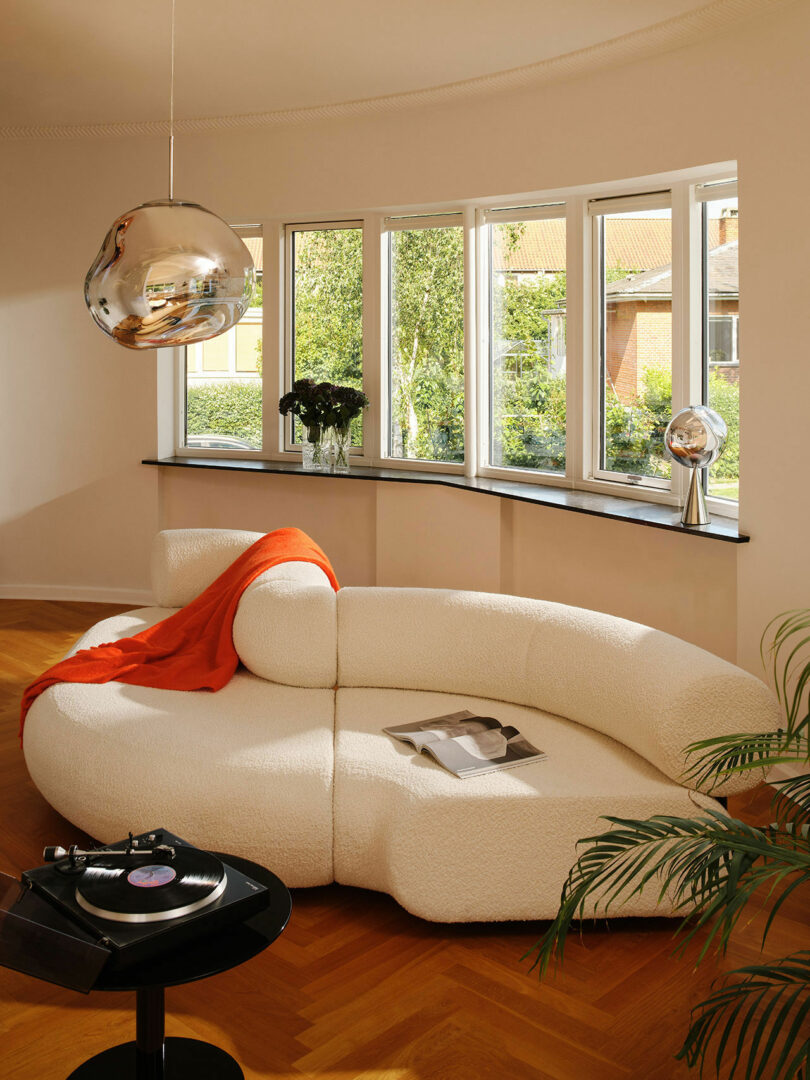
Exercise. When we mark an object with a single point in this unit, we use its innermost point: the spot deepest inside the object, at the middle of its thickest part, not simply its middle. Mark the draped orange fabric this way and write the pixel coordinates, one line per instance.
(192, 649)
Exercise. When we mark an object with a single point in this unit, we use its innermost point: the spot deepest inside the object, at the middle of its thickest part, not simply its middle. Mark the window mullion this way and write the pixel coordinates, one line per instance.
(593, 342)
(686, 311)
(273, 322)
(483, 351)
(470, 346)
(578, 383)
(384, 338)
(373, 351)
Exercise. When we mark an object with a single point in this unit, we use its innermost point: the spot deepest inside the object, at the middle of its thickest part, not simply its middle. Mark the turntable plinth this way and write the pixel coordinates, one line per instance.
(152, 1056)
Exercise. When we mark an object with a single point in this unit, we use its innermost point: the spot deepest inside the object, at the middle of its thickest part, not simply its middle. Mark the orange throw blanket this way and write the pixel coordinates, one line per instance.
(192, 649)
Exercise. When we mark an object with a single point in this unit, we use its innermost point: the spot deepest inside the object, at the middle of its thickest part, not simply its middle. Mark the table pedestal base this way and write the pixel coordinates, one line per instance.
(153, 1057)
(183, 1059)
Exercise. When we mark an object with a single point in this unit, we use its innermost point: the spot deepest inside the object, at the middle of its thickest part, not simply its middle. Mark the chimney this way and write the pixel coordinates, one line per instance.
(728, 226)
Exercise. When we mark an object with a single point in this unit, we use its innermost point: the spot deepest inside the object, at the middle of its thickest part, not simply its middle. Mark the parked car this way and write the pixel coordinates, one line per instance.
(218, 442)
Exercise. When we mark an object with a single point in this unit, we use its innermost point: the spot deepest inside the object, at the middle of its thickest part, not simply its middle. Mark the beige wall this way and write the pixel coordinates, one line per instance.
(434, 537)
(76, 509)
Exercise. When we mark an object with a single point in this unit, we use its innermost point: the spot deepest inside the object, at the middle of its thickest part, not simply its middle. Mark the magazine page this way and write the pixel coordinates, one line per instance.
(440, 728)
(484, 751)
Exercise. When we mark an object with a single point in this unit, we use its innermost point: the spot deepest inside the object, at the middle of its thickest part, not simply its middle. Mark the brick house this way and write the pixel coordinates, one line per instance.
(638, 321)
(638, 330)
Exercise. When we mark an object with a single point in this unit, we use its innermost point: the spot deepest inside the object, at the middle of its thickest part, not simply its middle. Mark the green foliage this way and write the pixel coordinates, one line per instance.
(528, 399)
(711, 867)
(328, 306)
(634, 432)
(226, 408)
(427, 344)
(328, 310)
(777, 995)
(427, 340)
(724, 398)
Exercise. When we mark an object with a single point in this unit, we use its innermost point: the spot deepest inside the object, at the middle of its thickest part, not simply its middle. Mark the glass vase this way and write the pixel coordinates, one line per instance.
(315, 449)
(340, 447)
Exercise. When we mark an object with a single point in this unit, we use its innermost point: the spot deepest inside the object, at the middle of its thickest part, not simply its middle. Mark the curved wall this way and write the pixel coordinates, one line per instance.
(77, 509)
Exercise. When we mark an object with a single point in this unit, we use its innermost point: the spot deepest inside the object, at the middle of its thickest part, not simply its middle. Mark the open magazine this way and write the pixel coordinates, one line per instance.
(466, 744)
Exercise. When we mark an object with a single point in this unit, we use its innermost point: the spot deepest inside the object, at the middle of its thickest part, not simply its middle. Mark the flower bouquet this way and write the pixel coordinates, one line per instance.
(326, 412)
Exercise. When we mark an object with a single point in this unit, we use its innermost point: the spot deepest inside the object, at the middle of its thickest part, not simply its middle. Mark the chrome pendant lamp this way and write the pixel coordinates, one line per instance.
(169, 272)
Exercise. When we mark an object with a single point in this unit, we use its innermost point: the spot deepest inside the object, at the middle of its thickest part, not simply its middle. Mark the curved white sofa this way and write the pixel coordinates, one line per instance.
(288, 764)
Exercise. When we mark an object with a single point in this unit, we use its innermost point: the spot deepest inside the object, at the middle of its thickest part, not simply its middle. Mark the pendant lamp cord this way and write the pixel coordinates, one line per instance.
(171, 117)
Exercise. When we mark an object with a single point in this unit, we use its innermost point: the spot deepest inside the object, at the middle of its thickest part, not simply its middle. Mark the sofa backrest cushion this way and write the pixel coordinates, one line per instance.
(285, 625)
(285, 628)
(186, 561)
(650, 691)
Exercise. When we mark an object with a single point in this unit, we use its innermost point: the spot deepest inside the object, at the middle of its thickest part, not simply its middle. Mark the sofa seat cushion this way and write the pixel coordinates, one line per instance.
(492, 847)
(246, 770)
(120, 626)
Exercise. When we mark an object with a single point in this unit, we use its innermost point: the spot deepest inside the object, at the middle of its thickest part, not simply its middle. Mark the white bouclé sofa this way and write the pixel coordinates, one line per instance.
(288, 764)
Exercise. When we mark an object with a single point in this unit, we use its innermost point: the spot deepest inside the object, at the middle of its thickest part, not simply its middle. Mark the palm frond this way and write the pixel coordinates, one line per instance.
(722, 756)
(768, 1011)
(789, 666)
(791, 804)
(712, 864)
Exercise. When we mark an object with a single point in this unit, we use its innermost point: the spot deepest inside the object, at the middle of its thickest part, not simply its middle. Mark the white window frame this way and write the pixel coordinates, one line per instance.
(231, 371)
(597, 210)
(287, 379)
(546, 211)
(709, 191)
(406, 223)
(180, 360)
(734, 325)
(686, 189)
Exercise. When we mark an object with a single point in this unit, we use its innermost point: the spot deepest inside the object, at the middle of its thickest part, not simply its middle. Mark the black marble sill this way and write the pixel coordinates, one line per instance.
(654, 515)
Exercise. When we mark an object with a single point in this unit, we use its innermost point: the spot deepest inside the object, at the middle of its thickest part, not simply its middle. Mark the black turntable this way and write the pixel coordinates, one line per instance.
(146, 894)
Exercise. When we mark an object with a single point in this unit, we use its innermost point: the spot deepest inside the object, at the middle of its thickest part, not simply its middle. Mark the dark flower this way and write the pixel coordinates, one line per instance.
(323, 404)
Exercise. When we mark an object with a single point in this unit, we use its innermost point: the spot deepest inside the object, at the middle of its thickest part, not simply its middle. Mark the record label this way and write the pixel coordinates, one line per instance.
(149, 877)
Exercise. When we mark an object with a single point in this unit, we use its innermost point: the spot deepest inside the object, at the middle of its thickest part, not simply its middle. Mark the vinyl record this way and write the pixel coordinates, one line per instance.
(145, 889)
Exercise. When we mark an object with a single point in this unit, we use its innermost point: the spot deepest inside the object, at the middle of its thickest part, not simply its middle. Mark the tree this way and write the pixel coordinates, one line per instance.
(528, 396)
(427, 343)
(427, 357)
(328, 306)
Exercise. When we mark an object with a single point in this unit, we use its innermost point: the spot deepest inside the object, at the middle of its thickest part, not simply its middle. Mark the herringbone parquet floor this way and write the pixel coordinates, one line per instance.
(357, 989)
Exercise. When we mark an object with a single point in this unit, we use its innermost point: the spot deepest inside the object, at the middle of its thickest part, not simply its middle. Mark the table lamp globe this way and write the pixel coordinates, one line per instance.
(695, 438)
(169, 272)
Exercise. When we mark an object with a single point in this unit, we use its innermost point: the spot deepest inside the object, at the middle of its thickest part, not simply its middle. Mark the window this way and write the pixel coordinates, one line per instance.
(634, 266)
(325, 317)
(426, 341)
(548, 340)
(527, 314)
(721, 319)
(223, 376)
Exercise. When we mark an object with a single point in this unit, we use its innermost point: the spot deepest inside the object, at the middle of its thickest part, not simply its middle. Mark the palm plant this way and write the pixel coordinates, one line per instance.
(710, 867)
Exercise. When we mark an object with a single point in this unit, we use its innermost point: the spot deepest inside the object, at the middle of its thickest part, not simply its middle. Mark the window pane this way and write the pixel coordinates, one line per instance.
(721, 357)
(224, 381)
(527, 345)
(327, 330)
(636, 341)
(427, 344)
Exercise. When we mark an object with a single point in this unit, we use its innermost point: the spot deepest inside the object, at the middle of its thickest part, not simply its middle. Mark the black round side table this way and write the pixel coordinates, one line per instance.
(152, 1056)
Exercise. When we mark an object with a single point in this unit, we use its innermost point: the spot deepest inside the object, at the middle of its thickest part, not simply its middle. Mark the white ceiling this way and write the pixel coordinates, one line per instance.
(81, 62)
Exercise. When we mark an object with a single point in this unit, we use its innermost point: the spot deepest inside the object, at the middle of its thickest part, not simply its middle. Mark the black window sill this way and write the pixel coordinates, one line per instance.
(654, 515)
